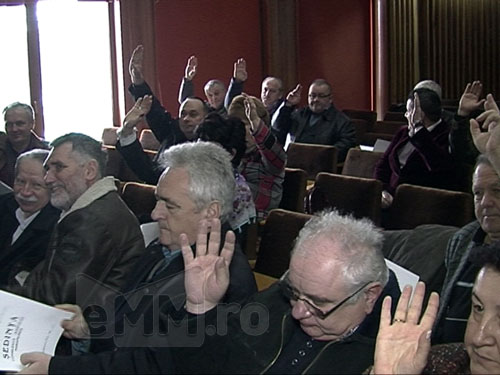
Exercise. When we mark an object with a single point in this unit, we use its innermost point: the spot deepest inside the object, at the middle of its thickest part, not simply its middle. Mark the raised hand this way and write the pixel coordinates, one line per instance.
(415, 116)
(36, 363)
(75, 328)
(141, 108)
(136, 64)
(469, 101)
(251, 112)
(191, 67)
(240, 70)
(293, 97)
(402, 346)
(206, 274)
(488, 140)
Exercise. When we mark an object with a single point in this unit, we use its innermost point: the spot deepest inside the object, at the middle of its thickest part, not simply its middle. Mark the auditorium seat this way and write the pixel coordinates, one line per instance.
(415, 205)
(140, 198)
(349, 195)
(359, 163)
(278, 234)
(312, 158)
(294, 190)
(148, 140)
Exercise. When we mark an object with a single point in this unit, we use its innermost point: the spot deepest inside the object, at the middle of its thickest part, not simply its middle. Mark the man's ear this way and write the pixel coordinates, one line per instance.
(91, 173)
(372, 292)
(213, 210)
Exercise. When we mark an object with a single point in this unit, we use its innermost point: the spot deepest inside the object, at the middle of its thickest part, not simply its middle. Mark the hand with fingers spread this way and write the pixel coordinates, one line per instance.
(403, 345)
(415, 116)
(293, 97)
(207, 272)
(136, 65)
(240, 70)
(141, 108)
(75, 328)
(191, 67)
(469, 101)
(251, 112)
(487, 140)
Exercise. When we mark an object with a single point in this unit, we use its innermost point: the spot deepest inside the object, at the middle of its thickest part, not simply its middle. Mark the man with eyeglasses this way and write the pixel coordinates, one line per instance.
(316, 319)
(319, 123)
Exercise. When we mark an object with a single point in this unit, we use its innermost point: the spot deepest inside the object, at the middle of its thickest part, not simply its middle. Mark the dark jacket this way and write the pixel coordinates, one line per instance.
(333, 128)
(157, 301)
(166, 130)
(91, 252)
(430, 164)
(241, 345)
(8, 155)
(30, 248)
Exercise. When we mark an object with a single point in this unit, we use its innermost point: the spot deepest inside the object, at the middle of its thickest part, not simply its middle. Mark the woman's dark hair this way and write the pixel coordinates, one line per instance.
(486, 255)
(228, 132)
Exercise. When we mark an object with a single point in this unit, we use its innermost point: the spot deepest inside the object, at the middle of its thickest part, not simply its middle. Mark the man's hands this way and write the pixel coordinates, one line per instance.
(191, 67)
(141, 108)
(36, 363)
(240, 70)
(293, 97)
(207, 273)
(469, 101)
(488, 141)
(402, 347)
(77, 327)
(415, 116)
(136, 65)
(387, 199)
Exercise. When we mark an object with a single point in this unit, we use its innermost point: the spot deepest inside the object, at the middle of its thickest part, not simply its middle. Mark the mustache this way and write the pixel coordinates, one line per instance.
(19, 197)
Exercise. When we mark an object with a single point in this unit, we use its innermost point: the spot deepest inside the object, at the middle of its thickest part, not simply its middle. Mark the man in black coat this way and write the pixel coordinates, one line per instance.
(27, 219)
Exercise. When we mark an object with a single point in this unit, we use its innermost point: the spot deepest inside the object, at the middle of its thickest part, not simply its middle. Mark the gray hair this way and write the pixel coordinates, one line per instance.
(360, 244)
(26, 107)
(212, 83)
(275, 79)
(211, 176)
(482, 159)
(35, 154)
(86, 146)
(431, 85)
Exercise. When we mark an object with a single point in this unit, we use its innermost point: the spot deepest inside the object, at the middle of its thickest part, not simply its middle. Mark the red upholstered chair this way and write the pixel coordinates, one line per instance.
(279, 232)
(415, 205)
(140, 198)
(148, 140)
(294, 190)
(109, 137)
(349, 195)
(359, 163)
(312, 158)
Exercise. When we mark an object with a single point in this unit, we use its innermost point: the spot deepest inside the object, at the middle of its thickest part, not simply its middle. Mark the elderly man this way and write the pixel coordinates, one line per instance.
(313, 320)
(19, 124)
(96, 237)
(215, 91)
(197, 184)
(456, 293)
(319, 123)
(167, 130)
(26, 220)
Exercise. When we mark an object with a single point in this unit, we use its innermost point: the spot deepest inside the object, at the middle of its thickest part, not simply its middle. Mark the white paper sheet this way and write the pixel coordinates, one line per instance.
(27, 326)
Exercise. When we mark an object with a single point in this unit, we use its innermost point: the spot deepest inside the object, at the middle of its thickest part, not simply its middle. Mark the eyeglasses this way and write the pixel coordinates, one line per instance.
(290, 293)
(320, 96)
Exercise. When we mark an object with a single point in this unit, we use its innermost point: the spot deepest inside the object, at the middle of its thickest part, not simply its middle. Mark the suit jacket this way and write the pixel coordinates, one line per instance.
(153, 302)
(166, 130)
(430, 164)
(29, 249)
